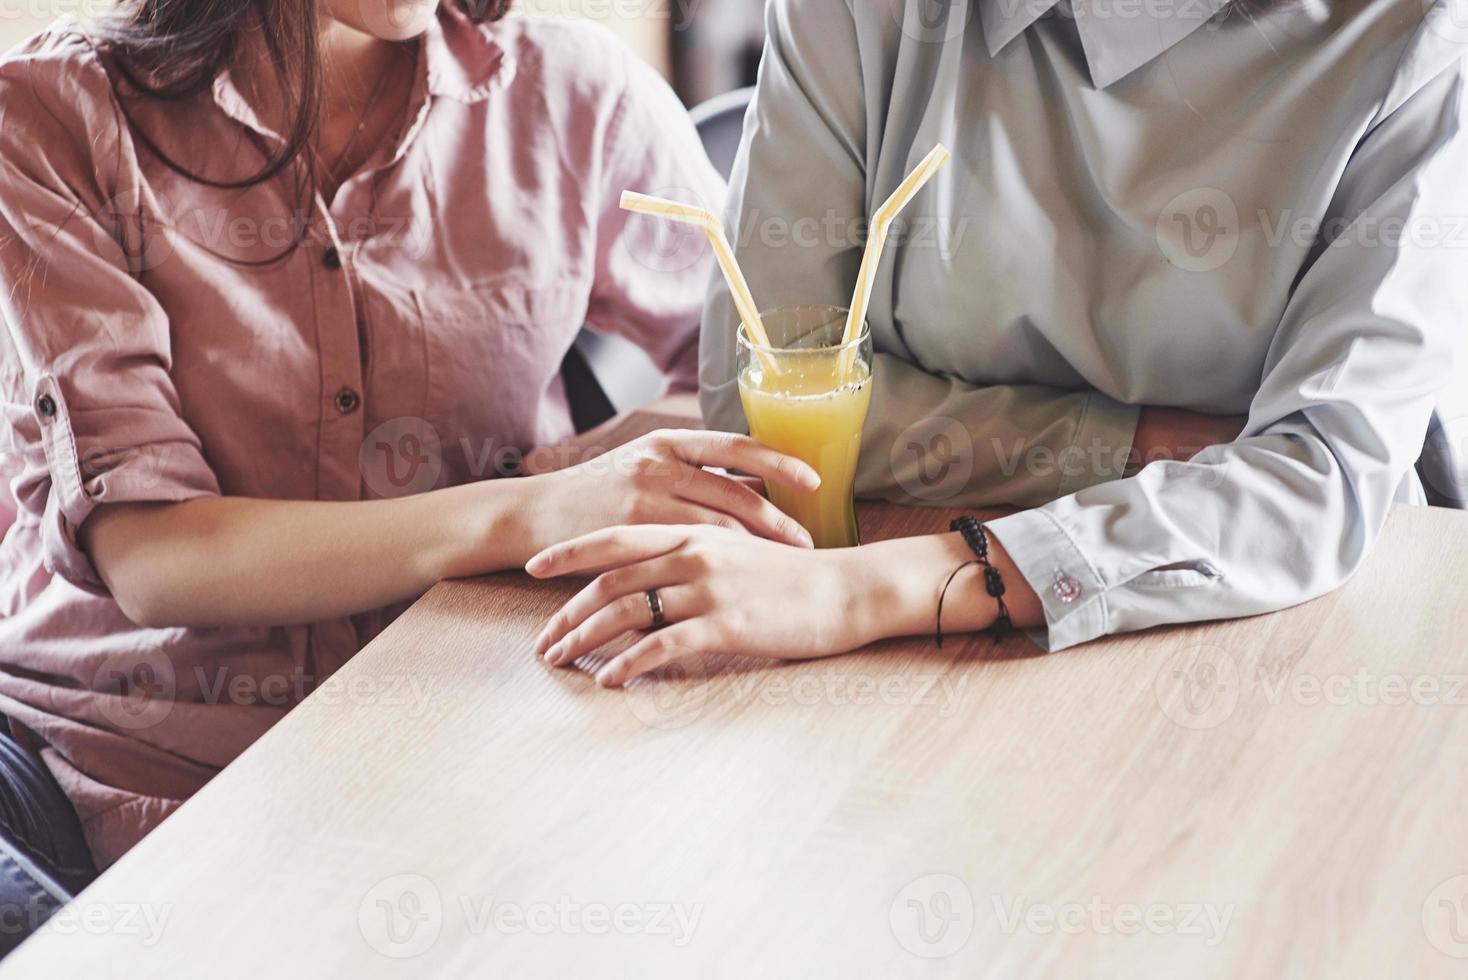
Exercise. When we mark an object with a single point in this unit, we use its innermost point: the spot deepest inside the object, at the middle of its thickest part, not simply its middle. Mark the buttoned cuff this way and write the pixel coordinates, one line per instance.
(138, 460)
(1103, 440)
(1070, 588)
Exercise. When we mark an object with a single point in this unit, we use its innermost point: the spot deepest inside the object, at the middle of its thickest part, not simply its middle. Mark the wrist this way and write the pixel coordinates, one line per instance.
(479, 527)
(898, 584)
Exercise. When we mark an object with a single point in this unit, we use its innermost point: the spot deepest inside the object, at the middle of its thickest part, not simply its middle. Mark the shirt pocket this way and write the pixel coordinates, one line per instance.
(395, 356)
(494, 356)
(1188, 575)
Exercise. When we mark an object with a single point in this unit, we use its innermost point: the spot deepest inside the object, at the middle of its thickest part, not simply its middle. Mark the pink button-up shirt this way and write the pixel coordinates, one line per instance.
(158, 347)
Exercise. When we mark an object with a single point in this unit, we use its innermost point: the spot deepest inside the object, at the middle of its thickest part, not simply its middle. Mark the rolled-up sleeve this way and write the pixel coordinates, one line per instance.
(651, 274)
(91, 415)
(1289, 510)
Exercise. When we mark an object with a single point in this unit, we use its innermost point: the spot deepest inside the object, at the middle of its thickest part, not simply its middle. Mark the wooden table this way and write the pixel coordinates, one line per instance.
(1267, 797)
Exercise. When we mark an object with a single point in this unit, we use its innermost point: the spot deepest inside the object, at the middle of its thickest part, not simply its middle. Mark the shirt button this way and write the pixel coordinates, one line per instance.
(347, 401)
(1066, 588)
(46, 406)
(332, 259)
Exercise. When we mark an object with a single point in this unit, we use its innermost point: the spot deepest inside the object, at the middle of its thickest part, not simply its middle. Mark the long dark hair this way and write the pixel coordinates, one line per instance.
(174, 49)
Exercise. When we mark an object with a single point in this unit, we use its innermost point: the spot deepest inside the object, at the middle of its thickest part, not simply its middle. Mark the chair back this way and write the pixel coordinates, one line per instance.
(720, 124)
(1444, 463)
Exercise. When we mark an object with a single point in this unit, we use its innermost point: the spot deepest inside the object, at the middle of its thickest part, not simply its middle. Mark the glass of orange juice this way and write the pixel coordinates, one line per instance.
(806, 395)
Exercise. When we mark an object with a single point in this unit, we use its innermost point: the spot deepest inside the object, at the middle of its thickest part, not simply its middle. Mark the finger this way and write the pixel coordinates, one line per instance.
(753, 482)
(740, 452)
(680, 512)
(651, 652)
(631, 581)
(623, 615)
(606, 548)
(749, 508)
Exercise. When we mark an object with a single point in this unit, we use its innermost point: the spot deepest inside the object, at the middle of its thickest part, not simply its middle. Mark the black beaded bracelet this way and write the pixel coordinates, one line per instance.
(977, 539)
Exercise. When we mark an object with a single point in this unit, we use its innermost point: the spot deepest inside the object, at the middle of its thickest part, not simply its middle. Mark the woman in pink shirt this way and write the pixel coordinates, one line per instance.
(282, 284)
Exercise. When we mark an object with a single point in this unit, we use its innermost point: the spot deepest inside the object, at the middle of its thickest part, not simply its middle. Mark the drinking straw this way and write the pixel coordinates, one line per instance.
(877, 237)
(705, 219)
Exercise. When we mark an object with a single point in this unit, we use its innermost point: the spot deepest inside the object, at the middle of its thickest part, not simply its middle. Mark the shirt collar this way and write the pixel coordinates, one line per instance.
(229, 98)
(1117, 36)
(464, 60)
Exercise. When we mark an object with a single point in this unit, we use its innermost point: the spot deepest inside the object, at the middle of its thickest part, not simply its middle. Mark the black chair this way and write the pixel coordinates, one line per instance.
(720, 124)
(1444, 463)
(597, 362)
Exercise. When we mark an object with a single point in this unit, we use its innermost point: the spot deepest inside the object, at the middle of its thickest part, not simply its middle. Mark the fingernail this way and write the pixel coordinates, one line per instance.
(552, 654)
(605, 678)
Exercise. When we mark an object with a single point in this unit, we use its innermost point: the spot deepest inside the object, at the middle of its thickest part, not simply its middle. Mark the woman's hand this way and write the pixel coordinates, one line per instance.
(235, 561)
(660, 479)
(721, 591)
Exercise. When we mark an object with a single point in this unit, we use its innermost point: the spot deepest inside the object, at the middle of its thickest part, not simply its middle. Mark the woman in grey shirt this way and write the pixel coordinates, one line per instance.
(1240, 226)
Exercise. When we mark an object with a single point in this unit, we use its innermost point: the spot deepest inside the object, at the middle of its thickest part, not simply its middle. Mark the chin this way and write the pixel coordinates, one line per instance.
(388, 20)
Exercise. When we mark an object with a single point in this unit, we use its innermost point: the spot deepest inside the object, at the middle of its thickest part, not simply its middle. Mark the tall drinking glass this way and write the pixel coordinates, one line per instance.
(807, 395)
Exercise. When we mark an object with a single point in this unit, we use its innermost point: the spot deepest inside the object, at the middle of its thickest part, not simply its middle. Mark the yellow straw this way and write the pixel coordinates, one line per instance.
(705, 219)
(877, 237)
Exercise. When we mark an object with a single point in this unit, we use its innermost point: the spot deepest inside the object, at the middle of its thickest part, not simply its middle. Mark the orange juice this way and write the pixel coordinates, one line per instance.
(812, 413)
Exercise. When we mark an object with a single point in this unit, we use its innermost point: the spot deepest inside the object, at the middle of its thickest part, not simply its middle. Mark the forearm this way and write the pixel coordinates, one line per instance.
(896, 586)
(233, 561)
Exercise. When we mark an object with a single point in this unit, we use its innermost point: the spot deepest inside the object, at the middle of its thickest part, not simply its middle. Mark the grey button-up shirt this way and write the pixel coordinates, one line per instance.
(1260, 209)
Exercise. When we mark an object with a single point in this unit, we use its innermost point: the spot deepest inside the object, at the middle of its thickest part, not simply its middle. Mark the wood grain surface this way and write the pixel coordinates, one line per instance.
(1279, 796)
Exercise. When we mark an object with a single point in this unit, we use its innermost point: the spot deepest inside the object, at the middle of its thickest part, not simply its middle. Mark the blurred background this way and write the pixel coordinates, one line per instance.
(703, 47)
